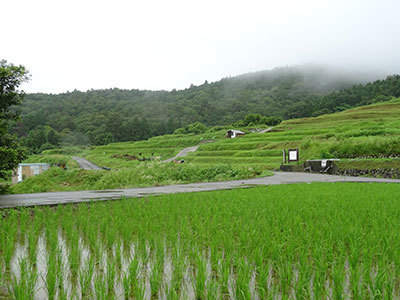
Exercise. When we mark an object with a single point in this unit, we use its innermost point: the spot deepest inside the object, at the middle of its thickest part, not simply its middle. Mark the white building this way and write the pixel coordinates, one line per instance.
(232, 133)
(26, 170)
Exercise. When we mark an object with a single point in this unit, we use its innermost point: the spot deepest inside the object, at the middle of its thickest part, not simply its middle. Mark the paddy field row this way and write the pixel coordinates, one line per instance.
(314, 241)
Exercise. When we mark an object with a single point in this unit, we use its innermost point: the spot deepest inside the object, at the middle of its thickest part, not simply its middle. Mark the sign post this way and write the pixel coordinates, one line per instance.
(293, 155)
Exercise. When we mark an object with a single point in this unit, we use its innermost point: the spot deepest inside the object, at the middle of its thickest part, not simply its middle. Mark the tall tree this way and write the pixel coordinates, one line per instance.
(11, 77)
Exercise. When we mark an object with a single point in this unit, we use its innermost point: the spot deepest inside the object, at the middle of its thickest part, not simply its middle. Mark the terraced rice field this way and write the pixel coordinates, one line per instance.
(308, 241)
(360, 132)
(371, 131)
(162, 147)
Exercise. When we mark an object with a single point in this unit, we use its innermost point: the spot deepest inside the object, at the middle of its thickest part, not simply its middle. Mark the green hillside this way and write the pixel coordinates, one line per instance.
(100, 117)
(371, 131)
(366, 137)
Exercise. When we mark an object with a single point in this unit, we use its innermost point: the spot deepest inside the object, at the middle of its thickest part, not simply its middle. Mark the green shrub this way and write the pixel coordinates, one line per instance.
(195, 128)
(4, 188)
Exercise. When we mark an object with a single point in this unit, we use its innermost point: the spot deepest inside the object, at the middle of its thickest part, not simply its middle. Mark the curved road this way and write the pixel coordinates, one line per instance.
(182, 153)
(9, 201)
(85, 164)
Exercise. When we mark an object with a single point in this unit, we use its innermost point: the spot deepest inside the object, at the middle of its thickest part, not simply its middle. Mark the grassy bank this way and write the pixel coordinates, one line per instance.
(314, 241)
(138, 175)
(369, 164)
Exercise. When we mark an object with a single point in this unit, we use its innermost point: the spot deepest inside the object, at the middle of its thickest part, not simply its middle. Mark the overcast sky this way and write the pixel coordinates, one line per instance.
(84, 44)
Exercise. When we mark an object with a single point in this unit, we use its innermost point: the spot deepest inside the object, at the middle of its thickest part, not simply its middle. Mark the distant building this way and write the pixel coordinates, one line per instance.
(27, 170)
(232, 133)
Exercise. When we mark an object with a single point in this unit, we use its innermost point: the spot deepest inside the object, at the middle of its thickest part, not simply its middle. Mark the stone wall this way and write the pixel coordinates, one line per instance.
(383, 173)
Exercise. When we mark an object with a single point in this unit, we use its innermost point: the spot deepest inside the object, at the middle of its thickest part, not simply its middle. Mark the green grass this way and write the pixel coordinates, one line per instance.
(161, 148)
(369, 164)
(308, 240)
(53, 159)
(5, 183)
(144, 174)
(370, 133)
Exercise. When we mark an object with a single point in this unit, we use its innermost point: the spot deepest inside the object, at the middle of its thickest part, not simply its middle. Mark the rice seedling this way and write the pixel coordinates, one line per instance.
(201, 276)
(1, 274)
(243, 277)
(126, 286)
(139, 291)
(61, 275)
(85, 277)
(51, 275)
(32, 237)
(100, 287)
(110, 275)
(23, 286)
(117, 248)
(157, 266)
(74, 254)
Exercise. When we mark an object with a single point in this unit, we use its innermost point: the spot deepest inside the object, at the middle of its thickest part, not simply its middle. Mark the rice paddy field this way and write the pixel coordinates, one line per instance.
(302, 241)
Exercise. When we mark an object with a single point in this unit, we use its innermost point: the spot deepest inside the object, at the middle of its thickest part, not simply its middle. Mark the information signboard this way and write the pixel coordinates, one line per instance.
(293, 155)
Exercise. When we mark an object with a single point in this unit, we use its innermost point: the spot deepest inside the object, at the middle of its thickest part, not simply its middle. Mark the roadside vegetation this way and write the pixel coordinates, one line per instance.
(138, 175)
(311, 241)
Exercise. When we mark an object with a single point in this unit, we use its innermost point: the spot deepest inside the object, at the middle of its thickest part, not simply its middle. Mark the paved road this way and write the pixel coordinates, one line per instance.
(8, 201)
(85, 164)
(266, 130)
(182, 153)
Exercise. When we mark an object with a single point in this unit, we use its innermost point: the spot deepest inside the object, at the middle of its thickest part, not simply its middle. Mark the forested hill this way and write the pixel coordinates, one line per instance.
(104, 116)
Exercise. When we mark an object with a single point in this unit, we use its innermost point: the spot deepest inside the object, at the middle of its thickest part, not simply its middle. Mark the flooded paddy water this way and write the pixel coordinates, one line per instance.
(123, 273)
(102, 277)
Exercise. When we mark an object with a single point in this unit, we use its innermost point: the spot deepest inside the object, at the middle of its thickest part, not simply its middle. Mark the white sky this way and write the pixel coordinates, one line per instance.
(84, 44)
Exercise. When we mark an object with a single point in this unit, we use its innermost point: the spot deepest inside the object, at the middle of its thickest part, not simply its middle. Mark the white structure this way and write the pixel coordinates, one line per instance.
(232, 133)
(27, 170)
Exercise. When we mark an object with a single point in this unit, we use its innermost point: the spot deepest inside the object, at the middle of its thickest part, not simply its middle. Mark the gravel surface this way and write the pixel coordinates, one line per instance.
(54, 198)
(85, 164)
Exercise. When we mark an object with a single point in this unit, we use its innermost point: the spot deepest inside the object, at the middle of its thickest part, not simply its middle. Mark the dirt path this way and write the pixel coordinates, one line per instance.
(85, 164)
(182, 153)
(8, 201)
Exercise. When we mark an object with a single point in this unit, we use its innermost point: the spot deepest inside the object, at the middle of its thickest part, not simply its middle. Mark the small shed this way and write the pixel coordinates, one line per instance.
(232, 133)
(26, 170)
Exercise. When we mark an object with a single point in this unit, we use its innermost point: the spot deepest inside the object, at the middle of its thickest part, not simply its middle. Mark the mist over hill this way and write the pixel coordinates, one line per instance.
(112, 115)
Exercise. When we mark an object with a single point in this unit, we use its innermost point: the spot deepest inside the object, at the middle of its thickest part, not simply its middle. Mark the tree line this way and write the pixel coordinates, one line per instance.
(97, 117)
